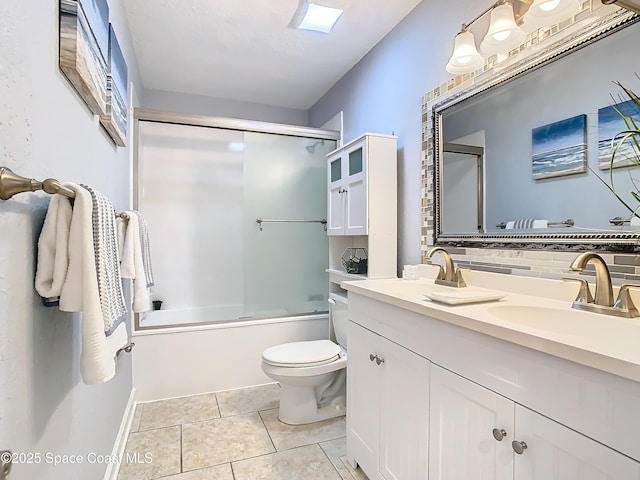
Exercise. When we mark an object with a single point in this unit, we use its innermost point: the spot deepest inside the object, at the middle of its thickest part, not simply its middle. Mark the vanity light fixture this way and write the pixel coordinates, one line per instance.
(544, 13)
(504, 33)
(316, 17)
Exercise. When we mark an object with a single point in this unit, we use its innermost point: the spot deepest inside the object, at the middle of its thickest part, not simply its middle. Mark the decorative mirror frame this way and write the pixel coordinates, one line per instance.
(575, 36)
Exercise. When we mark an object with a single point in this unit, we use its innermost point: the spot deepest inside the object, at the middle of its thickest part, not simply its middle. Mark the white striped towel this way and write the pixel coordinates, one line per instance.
(133, 264)
(526, 223)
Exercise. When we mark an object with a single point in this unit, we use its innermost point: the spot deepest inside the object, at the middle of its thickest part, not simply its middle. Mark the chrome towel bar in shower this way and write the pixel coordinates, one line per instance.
(260, 221)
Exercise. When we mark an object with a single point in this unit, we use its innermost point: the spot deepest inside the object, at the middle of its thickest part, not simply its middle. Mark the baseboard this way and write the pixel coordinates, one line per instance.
(121, 440)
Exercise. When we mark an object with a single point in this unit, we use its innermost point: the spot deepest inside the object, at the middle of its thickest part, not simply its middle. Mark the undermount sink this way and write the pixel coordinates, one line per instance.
(567, 321)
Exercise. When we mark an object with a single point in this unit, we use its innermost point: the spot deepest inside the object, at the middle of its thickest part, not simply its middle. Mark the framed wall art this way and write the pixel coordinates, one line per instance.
(559, 148)
(116, 115)
(84, 44)
(610, 124)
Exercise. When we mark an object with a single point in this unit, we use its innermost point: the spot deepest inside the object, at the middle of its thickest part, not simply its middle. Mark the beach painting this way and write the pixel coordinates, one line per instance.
(84, 44)
(610, 123)
(559, 148)
(116, 116)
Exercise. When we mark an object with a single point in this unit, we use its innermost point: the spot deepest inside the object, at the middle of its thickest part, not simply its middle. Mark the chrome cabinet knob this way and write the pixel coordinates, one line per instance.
(518, 447)
(499, 433)
(372, 357)
(379, 360)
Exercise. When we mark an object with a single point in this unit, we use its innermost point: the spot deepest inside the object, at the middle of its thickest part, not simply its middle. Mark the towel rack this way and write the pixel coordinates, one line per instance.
(127, 348)
(564, 223)
(260, 221)
(11, 184)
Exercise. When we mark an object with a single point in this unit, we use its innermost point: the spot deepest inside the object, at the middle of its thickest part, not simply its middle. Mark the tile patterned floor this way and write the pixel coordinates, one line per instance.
(233, 435)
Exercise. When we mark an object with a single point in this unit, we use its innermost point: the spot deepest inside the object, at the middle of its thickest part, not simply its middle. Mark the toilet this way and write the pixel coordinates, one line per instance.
(312, 374)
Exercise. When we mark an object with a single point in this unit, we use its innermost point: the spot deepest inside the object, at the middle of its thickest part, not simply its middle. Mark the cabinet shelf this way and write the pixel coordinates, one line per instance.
(337, 276)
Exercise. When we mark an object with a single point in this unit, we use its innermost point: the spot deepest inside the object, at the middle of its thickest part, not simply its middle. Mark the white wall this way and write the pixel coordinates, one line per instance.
(383, 93)
(47, 131)
(217, 107)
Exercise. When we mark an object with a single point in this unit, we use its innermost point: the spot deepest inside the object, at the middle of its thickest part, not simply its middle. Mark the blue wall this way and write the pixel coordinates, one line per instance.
(383, 94)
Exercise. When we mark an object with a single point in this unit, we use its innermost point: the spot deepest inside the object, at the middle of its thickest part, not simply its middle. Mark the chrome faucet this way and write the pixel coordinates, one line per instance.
(449, 275)
(602, 300)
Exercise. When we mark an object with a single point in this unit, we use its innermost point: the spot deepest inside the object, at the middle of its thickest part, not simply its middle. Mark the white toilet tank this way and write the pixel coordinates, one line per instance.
(338, 316)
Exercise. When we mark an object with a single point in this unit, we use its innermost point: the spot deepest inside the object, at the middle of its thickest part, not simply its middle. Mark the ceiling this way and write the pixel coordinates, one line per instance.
(245, 49)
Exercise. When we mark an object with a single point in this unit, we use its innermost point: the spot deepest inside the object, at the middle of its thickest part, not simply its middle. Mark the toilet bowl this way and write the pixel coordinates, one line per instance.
(312, 374)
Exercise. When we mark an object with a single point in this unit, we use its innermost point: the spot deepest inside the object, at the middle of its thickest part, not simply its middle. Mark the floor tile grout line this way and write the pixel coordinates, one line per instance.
(329, 459)
(267, 430)
(218, 405)
(181, 460)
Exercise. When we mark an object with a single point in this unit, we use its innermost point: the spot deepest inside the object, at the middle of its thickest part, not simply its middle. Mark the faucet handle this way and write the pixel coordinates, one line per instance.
(584, 294)
(625, 302)
(459, 281)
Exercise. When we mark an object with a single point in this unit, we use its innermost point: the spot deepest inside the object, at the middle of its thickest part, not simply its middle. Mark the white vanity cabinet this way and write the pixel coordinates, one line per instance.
(463, 416)
(482, 394)
(388, 407)
(476, 433)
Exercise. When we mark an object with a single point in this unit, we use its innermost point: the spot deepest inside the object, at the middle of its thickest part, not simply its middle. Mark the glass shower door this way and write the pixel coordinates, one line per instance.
(201, 190)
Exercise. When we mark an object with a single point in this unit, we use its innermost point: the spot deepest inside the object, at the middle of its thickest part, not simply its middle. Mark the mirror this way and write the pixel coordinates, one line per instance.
(520, 158)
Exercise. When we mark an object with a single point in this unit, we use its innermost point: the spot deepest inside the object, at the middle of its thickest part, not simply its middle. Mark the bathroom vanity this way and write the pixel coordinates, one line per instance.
(522, 388)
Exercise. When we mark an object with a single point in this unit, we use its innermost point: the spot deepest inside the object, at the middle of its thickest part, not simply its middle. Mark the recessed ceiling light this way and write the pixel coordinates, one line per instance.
(311, 16)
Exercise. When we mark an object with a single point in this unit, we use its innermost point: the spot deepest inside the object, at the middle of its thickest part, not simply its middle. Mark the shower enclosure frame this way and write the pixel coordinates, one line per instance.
(148, 115)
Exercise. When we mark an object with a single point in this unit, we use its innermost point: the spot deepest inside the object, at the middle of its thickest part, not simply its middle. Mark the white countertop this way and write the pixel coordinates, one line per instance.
(604, 342)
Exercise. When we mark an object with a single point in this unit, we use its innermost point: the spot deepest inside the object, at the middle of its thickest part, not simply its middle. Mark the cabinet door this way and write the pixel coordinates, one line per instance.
(404, 414)
(363, 400)
(355, 180)
(554, 452)
(461, 442)
(335, 196)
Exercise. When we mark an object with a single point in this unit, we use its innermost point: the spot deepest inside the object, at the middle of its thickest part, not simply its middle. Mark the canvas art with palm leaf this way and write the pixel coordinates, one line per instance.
(619, 143)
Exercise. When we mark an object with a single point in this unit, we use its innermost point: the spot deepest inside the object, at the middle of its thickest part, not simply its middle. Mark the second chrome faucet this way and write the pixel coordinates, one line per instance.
(602, 299)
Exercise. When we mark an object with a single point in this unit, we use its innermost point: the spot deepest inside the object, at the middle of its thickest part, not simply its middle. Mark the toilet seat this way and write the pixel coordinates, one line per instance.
(302, 354)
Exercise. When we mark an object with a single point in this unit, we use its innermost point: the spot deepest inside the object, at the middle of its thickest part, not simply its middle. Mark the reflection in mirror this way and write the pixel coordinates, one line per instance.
(540, 135)
(462, 180)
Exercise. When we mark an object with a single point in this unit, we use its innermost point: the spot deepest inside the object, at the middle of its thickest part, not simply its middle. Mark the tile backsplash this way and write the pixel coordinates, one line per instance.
(624, 268)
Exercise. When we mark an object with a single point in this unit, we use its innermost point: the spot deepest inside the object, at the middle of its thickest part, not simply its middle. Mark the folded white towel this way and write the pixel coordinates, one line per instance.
(133, 264)
(53, 249)
(79, 291)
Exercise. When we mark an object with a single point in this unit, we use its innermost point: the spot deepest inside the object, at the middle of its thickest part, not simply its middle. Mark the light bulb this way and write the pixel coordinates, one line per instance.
(501, 36)
(545, 13)
(550, 5)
